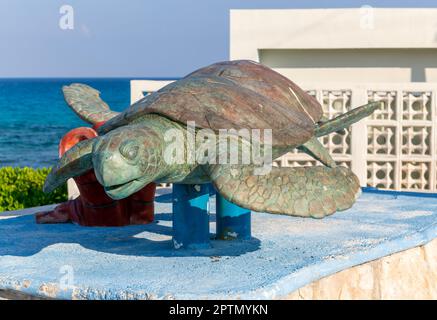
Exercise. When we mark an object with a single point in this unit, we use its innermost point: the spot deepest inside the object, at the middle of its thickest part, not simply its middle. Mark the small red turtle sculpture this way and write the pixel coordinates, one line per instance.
(93, 207)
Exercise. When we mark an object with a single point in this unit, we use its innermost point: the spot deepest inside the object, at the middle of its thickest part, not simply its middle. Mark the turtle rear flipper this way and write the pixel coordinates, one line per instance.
(315, 149)
(87, 104)
(344, 120)
(304, 191)
(74, 162)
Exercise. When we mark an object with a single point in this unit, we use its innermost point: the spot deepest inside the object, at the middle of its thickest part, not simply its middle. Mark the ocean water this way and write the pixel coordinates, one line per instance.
(34, 117)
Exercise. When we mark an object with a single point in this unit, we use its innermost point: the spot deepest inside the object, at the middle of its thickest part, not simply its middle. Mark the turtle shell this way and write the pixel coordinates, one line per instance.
(267, 82)
(233, 95)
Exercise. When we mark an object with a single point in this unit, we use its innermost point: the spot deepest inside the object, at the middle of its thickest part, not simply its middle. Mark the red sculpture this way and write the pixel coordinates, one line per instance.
(93, 207)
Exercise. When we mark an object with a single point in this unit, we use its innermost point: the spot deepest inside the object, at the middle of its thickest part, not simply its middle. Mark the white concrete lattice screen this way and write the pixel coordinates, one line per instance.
(393, 149)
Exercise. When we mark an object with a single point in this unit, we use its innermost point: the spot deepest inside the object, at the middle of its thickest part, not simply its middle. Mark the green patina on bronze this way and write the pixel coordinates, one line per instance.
(129, 153)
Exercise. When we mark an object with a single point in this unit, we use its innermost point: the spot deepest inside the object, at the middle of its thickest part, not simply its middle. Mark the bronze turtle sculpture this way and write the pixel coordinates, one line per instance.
(130, 151)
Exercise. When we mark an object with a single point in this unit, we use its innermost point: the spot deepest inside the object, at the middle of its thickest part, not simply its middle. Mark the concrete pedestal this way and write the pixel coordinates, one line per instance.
(284, 254)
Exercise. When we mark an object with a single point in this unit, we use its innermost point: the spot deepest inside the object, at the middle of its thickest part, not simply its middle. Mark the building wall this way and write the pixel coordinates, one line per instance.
(409, 274)
(340, 45)
(358, 65)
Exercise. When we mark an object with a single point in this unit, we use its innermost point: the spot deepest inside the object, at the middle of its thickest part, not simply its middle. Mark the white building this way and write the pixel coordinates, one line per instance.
(340, 45)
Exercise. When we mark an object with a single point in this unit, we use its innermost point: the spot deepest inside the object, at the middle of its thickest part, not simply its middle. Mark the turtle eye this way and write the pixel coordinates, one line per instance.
(129, 150)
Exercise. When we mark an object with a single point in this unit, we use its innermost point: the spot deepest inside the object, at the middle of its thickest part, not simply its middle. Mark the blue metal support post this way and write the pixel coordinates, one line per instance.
(233, 222)
(190, 216)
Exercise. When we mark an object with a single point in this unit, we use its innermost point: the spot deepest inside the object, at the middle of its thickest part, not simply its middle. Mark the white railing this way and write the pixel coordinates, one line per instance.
(395, 148)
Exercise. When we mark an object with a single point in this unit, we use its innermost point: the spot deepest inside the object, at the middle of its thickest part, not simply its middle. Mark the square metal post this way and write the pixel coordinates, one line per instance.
(233, 222)
(190, 216)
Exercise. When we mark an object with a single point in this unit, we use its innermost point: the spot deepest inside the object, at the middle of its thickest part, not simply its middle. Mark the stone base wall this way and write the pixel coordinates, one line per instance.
(410, 274)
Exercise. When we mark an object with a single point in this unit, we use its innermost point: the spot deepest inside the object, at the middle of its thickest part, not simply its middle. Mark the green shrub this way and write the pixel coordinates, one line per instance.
(22, 188)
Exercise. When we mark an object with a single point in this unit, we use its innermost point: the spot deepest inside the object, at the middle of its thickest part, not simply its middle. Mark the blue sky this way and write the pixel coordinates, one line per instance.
(128, 38)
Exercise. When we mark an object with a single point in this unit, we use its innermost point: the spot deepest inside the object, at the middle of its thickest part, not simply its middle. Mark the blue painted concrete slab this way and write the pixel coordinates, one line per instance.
(139, 262)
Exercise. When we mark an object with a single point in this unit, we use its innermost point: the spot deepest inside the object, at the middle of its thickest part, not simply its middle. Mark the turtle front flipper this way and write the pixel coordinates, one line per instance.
(304, 191)
(87, 104)
(74, 162)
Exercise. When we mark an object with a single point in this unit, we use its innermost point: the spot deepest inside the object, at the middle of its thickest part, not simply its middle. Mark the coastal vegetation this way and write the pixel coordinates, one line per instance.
(22, 188)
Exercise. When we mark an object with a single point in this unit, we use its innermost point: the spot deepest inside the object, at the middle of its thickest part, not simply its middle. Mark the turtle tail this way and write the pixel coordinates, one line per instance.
(344, 120)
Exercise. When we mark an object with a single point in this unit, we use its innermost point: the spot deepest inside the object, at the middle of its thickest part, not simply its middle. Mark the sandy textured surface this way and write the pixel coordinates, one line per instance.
(138, 262)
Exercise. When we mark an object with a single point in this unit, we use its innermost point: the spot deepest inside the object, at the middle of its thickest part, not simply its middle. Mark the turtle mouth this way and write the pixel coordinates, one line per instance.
(121, 191)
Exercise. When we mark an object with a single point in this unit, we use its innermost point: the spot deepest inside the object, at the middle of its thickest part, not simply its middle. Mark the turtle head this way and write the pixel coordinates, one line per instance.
(126, 159)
